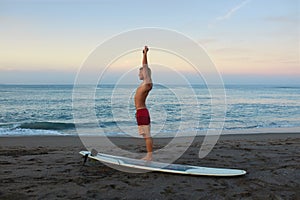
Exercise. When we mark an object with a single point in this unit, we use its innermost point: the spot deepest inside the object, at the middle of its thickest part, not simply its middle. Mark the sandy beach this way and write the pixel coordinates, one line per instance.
(49, 167)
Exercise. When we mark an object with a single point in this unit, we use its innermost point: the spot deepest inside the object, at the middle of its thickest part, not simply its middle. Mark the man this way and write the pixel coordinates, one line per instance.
(142, 113)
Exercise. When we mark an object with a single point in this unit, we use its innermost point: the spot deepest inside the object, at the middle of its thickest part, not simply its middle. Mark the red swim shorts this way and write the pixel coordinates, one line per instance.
(142, 116)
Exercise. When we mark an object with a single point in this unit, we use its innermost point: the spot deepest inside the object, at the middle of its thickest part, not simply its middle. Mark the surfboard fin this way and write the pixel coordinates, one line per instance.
(85, 158)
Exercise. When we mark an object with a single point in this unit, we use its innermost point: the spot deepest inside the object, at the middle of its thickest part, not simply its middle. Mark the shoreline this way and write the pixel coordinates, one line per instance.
(50, 167)
(294, 131)
(237, 132)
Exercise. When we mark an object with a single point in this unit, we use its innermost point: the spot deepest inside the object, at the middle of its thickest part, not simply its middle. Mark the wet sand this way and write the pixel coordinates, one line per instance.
(49, 167)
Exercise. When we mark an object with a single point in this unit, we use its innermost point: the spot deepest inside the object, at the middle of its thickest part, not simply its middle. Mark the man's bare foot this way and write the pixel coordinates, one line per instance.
(148, 157)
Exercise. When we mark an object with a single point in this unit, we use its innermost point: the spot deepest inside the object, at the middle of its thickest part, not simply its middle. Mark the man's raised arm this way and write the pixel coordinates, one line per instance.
(146, 69)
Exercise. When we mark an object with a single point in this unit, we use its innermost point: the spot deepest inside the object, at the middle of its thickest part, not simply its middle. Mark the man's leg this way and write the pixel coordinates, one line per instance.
(145, 132)
(149, 147)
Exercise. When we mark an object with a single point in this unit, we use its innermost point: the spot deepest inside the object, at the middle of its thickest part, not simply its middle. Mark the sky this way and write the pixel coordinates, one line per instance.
(249, 41)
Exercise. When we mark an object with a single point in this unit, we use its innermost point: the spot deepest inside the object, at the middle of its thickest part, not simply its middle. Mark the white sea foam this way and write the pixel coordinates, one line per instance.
(27, 132)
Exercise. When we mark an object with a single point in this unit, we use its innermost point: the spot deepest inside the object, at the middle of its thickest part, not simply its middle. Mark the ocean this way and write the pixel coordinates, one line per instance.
(27, 110)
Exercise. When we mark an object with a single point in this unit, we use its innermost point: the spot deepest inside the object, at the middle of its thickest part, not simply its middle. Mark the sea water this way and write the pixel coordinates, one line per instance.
(49, 109)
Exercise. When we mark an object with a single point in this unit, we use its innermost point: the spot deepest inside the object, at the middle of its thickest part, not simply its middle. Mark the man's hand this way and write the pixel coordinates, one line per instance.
(145, 50)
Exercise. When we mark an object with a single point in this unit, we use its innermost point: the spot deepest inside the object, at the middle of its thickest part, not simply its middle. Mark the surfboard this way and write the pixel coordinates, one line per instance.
(161, 167)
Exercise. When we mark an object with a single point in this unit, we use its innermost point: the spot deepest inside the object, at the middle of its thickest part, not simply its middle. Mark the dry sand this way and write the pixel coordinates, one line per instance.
(49, 167)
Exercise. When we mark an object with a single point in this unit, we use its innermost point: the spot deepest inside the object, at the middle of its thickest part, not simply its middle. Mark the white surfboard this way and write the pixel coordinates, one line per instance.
(162, 167)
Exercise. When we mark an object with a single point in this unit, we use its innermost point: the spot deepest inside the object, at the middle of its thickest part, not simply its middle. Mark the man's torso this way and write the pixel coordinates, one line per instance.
(141, 94)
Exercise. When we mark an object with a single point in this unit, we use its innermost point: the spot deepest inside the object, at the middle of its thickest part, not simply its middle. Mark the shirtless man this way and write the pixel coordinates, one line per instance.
(142, 114)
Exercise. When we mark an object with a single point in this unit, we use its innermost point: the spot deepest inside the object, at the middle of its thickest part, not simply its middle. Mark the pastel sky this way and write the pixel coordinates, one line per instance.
(250, 41)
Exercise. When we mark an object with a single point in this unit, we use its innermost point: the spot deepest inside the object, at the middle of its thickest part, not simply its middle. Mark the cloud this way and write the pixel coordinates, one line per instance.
(205, 41)
(232, 11)
(228, 14)
(283, 19)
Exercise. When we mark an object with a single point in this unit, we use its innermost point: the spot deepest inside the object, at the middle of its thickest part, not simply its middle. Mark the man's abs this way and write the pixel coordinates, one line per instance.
(139, 100)
(140, 96)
